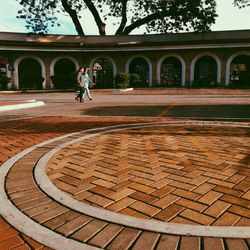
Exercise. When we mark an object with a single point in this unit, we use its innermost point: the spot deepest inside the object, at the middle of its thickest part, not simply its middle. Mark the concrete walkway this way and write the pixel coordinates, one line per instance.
(124, 183)
(14, 105)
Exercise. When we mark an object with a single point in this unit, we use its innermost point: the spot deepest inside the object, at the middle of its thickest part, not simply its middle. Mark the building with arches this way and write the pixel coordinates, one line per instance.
(219, 58)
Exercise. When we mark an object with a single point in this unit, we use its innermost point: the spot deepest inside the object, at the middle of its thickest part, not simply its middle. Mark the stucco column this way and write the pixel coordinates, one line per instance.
(155, 78)
(223, 72)
(48, 83)
(187, 75)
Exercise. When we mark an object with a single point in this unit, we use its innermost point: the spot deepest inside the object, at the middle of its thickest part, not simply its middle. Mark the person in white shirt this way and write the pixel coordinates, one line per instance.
(87, 81)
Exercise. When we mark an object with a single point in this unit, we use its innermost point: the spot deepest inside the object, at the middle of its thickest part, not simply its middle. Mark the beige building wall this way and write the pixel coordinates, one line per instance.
(223, 47)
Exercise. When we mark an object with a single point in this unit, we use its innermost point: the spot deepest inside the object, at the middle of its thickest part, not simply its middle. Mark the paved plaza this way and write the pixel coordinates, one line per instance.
(150, 169)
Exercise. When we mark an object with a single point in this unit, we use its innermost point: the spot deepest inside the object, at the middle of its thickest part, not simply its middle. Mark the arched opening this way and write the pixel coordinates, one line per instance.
(64, 74)
(171, 72)
(140, 68)
(240, 71)
(103, 73)
(205, 73)
(30, 74)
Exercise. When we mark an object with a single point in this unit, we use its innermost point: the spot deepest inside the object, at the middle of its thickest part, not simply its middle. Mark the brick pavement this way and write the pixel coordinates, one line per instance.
(15, 137)
(179, 174)
(179, 180)
(19, 135)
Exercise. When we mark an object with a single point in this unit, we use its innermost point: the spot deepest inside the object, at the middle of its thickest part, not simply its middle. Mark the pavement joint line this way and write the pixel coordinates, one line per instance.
(164, 112)
(125, 220)
(50, 238)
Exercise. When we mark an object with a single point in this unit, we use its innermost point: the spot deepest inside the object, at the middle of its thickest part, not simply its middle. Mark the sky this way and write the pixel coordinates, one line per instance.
(230, 18)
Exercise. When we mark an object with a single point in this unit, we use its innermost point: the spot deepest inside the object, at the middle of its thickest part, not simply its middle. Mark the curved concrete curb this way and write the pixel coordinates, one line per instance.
(47, 237)
(143, 224)
(22, 222)
(27, 104)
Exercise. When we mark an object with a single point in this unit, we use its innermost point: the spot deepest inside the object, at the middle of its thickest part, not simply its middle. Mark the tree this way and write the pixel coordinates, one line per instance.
(161, 16)
(242, 3)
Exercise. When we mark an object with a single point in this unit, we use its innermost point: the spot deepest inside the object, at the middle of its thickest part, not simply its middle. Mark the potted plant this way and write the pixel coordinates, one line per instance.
(122, 82)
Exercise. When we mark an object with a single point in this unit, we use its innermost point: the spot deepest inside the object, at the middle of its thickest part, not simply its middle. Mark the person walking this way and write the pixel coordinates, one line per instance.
(87, 81)
(80, 81)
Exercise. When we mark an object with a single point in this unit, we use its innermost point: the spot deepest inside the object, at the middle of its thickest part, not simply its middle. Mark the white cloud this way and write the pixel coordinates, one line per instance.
(230, 17)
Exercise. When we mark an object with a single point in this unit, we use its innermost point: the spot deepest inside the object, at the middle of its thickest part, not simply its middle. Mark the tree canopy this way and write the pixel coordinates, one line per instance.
(158, 16)
(242, 3)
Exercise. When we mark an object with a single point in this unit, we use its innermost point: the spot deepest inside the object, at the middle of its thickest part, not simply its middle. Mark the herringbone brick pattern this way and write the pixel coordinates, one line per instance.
(192, 175)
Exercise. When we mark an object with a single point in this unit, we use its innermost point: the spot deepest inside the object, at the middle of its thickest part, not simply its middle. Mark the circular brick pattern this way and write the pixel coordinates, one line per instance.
(50, 216)
(181, 174)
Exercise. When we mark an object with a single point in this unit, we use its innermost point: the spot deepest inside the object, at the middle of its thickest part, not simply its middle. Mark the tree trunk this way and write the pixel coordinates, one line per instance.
(124, 18)
(143, 21)
(101, 26)
(73, 16)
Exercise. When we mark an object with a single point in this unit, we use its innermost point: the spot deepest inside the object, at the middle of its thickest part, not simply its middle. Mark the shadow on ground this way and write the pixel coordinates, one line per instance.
(192, 111)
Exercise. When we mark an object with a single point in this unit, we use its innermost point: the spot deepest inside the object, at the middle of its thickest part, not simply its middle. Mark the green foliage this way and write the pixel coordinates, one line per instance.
(134, 80)
(122, 80)
(242, 3)
(158, 16)
(39, 14)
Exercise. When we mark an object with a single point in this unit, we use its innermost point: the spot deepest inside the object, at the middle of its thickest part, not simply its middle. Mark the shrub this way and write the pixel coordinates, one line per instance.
(122, 80)
(134, 80)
